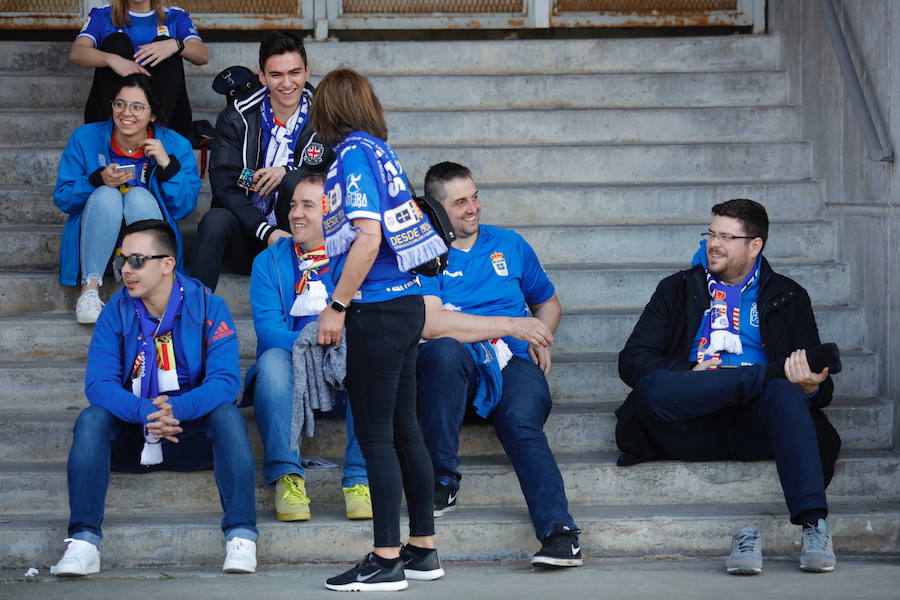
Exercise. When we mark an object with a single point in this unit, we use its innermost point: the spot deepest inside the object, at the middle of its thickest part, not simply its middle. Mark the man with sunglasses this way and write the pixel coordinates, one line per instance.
(162, 378)
(726, 364)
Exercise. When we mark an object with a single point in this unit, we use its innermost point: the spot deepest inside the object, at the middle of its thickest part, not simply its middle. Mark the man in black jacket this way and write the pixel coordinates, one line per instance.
(259, 138)
(732, 310)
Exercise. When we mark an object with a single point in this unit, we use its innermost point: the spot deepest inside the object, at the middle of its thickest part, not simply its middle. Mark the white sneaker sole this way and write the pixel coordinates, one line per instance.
(88, 571)
(362, 586)
(549, 561)
(443, 511)
(423, 575)
(814, 569)
(226, 568)
(743, 570)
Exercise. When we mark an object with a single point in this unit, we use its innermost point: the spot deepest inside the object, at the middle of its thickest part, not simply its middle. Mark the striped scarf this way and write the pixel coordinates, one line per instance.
(311, 293)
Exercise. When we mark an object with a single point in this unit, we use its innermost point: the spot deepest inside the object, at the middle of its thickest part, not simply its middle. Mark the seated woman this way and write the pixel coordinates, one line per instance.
(129, 168)
(139, 36)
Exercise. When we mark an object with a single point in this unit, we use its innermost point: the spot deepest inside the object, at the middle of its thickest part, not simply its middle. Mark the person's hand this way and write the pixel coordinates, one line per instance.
(705, 365)
(123, 66)
(155, 52)
(267, 179)
(275, 235)
(155, 149)
(331, 325)
(114, 178)
(531, 330)
(162, 424)
(797, 371)
(540, 355)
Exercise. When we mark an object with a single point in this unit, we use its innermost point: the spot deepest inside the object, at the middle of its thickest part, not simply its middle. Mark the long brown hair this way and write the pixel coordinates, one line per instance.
(120, 16)
(345, 102)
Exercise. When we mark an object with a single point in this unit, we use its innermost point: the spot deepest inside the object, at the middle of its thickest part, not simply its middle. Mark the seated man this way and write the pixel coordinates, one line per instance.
(162, 377)
(289, 285)
(492, 280)
(258, 139)
(732, 310)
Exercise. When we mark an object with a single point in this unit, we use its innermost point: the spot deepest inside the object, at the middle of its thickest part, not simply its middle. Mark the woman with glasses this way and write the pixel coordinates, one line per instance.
(374, 235)
(139, 36)
(126, 169)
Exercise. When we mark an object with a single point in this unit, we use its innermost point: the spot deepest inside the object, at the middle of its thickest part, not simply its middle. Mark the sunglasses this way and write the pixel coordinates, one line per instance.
(135, 261)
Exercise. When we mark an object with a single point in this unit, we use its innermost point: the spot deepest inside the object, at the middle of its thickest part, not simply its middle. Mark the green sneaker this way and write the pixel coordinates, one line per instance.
(291, 501)
(359, 501)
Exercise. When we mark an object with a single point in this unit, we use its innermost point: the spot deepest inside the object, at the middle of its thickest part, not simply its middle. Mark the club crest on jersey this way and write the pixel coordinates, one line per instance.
(162, 30)
(499, 264)
(313, 153)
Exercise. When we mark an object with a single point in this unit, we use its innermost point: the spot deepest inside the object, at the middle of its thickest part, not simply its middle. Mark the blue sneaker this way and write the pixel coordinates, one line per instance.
(817, 552)
(746, 553)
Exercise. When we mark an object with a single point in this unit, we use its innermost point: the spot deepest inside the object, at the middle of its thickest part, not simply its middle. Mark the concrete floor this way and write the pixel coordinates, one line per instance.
(871, 579)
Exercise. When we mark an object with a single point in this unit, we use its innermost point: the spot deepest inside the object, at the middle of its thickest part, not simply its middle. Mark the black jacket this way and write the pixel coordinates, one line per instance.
(664, 335)
(238, 146)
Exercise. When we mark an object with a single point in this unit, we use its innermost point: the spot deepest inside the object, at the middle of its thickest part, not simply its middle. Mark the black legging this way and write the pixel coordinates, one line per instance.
(382, 345)
(169, 78)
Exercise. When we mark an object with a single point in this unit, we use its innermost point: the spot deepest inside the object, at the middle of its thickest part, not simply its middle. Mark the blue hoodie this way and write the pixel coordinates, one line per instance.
(204, 331)
(88, 150)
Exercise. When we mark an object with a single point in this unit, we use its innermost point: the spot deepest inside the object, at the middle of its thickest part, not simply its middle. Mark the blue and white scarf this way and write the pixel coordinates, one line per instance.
(407, 230)
(279, 143)
(153, 373)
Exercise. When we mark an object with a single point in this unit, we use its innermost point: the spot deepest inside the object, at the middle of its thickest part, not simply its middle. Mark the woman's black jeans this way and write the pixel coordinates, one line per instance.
(382, 345)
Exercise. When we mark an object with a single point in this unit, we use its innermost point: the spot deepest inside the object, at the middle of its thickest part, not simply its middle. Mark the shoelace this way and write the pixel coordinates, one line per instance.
(239, 545)
(816, 538)
(294, 494)
(745, 541)
(361, 493)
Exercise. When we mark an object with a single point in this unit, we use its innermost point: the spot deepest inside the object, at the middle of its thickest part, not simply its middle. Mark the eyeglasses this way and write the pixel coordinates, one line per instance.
(135, 261)
(725, 237)
(135, 108)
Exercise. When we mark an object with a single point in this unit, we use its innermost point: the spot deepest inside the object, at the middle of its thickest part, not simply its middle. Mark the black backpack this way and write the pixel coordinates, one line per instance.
(436, 214)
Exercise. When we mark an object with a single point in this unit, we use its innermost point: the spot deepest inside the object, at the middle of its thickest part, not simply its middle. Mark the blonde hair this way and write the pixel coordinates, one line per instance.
(345, 102)
(120, 16)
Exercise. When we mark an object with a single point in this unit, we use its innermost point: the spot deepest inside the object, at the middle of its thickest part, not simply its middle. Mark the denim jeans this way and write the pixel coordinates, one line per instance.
(273, 398)
(734, 414)
(217, 440)
(101, 221)
(446, 387)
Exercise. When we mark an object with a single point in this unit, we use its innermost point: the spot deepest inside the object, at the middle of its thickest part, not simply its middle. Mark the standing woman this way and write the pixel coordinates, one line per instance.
(139, 36)
(126, 169)
(374, 234)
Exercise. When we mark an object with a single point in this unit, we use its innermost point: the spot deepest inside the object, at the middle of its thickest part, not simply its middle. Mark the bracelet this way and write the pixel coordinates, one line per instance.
(180, 46)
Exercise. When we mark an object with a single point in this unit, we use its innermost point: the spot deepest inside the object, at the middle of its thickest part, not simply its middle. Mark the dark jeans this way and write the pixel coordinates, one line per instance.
(382, 341)
(169, 78)
(733, 414)
(220, 240)
(217, 440)
(447, 379)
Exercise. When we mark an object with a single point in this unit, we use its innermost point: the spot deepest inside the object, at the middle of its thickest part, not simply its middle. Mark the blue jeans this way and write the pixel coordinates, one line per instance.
(101, 221)
(273, 398)
(446, 386)
(217, 440)
(734, 414)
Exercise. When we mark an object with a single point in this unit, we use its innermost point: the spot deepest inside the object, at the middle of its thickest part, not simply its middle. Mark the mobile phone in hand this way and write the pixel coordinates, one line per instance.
(125, 169)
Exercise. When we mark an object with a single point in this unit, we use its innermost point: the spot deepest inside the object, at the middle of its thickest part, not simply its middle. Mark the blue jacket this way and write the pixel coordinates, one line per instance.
(272, 294)
(207, 337)
(88, 150)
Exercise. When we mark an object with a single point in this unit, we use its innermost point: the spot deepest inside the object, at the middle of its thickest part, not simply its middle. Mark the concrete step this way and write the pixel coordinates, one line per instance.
(512, 205)
(625, 163)
(37, 338)
(185, 540)
(488, 481)
(440, 91)
(579, 286)
(572, 427)
(514, 57)
(37, 248)
(506, 126)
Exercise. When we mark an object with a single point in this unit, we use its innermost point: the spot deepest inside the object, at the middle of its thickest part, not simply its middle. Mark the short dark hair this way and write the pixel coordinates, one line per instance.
(752, 216)
(440, 174)
(150, 89)
(280, 42)
(163, 234)
(294, 178)
(345, 102)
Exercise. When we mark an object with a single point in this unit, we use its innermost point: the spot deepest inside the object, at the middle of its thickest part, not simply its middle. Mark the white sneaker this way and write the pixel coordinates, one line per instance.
(81, 558)
(240, 556)
(88, 307)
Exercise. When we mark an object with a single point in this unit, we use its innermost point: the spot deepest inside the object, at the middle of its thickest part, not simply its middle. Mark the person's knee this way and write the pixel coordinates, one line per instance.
(646, 397)
(226, 423)
(93, 423)
(118, 43)
(274, 371)
(441, 353)
(107, 201)
(215, 226)
(781, 395)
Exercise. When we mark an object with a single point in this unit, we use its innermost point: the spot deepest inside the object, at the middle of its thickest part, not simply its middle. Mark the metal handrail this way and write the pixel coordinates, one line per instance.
(877, 150)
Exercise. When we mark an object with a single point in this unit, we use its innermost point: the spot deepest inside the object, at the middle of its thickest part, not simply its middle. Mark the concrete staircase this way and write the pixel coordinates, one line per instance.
(607, 156)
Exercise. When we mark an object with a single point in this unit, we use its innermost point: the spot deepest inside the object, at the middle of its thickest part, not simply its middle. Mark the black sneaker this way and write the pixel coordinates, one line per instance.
(369, 576)
(421, 568)
(444, 499)
(559, 549)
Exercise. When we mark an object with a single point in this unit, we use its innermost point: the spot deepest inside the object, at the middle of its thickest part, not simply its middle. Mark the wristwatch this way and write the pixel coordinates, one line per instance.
(180, 46)
(336, 305)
